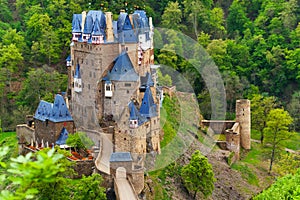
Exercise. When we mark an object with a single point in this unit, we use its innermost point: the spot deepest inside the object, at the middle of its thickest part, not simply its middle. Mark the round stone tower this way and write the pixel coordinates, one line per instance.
(243, 117)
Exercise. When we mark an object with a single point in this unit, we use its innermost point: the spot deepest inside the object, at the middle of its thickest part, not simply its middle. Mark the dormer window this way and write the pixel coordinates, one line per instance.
(133, 123)
(97, 39)
(108, 89)
(76, 36)
(85, 37)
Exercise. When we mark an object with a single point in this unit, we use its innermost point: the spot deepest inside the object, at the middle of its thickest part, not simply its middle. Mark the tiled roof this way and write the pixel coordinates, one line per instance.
(122, 70)
(76, 23)
(125, 30)
(135, 114)
(148, 107)
(147, 80)
(88, 26)
(56, 112)
(68, 58)
(62, 137)
(120, 157)
(140, 19)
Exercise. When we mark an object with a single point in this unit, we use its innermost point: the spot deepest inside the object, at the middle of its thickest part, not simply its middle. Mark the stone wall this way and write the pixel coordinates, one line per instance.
(218, 126)
(137, 180)
(25, 134)
(94, 61)
(85, 167)
(123, 92)
(49, 131)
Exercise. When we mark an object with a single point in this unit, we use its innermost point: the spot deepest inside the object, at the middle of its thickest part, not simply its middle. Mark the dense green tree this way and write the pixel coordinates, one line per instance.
(172, 16)
(277, 130)
(79, 141)
(287, 164)
(287, 187)
(197, 12)
(237, 20)
(216, 23)
(39, 85)
(164, 80)
(294, 108)
(198, 175)
(260, 108)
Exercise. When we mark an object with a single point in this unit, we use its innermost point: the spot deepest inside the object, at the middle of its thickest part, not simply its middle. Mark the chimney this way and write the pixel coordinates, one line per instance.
(109, 27)
(151, 31)
(83, 14)
(150, 24)
(130, 18)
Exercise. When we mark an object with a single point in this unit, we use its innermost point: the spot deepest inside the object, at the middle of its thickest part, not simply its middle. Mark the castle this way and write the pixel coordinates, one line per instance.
(111, 95)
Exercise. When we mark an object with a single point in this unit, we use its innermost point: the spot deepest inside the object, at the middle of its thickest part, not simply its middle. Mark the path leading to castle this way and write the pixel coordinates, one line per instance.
(106, 149)
(124, 189)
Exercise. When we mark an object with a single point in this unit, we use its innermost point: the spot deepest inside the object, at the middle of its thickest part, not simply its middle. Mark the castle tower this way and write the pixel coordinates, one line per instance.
(243, 117)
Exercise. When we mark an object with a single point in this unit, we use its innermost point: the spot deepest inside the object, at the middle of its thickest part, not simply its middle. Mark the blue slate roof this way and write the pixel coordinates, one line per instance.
(135, 114)
(56, 112)
(120, 157)
(62, 137)
(140, 19)
(123, 22)
(125, 30)
(97, 28)
(122, 70)
(127, 36)
(77, 72)
(43, 111)
(115, 28)
(148, 107)
(88, 25)
(76, 23)
(147, 80)
(68, 58)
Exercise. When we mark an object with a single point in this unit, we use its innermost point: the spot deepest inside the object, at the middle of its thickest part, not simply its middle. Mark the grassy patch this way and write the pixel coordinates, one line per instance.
(9, 135)
(254, 156)
(169, 119)
(255, 134)
(246, 173)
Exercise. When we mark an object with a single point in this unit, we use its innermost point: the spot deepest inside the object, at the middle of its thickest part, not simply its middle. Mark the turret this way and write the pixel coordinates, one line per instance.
(243, 117)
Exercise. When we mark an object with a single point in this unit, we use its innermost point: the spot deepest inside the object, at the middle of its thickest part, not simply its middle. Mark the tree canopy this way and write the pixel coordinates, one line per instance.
(198, 175)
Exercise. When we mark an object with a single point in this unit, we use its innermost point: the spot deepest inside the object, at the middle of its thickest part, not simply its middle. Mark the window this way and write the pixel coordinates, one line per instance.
(107, 88)
(92, 62)
(127, 91)
(127, 84)
(90, 74)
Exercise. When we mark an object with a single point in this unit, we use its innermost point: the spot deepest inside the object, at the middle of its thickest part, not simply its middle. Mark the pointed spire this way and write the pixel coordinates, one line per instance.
(148, 107)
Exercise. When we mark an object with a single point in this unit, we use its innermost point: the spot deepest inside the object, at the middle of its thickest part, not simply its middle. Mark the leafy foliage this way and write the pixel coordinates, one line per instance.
(79, 141)
(287, 187)
(198, 175)
(44, 175)
(277, 130)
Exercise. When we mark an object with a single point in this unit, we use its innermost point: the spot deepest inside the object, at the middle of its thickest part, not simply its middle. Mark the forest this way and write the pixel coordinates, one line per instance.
(255, 45)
